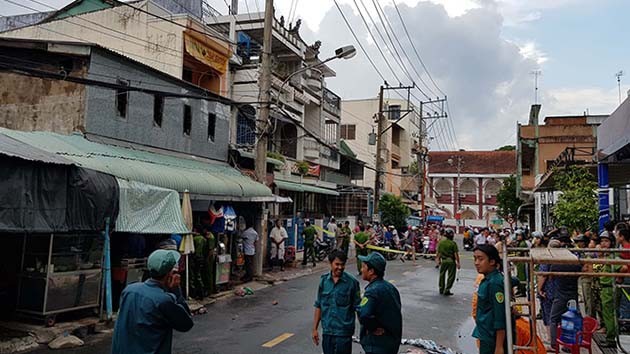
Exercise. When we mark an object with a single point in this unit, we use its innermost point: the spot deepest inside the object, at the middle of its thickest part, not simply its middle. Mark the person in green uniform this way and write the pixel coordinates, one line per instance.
(448, 259)
(490, 322)
(521, 268)
(210, 273)
(338, 295)
(199, 266)
(346, 233)
(309, 235)
(607, 240)
(379, 311)
(361, 240)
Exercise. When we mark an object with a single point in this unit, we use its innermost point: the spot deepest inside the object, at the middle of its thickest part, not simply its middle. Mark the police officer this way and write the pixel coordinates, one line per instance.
(309, 234)
(490, 312)
(448, 259)
(607, 240)
(379, 311)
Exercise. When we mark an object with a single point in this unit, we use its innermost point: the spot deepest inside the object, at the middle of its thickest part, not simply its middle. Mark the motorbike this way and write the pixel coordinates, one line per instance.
(387, 255)
(323, 247)
(469, 244)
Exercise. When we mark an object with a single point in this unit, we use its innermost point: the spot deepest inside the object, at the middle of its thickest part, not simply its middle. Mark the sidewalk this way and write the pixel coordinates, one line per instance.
(20, 336)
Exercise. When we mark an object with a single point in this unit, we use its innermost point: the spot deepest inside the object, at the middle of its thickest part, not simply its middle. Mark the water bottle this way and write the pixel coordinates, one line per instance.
(571, 323)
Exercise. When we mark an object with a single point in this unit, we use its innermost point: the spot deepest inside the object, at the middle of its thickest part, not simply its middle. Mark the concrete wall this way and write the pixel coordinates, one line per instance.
(156, 43)
(17, 21)
(138, 126)
(29, 103)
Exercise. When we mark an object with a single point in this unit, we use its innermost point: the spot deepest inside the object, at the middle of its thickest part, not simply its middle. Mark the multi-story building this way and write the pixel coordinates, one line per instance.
(305, 114)
(465, 184)
(540, 148)
(358, 122)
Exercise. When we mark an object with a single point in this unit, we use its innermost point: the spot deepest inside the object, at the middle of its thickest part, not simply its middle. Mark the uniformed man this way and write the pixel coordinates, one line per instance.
(379, 310)
(210, 272)
(338, 295)
(346, 233)
(448, 259)
(309, 234)
(607, 240)
(361, 240)
(490, 312)
(199, 267)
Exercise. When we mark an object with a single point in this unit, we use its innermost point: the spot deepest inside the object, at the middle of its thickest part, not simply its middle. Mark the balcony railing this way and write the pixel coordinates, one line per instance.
(331, 102)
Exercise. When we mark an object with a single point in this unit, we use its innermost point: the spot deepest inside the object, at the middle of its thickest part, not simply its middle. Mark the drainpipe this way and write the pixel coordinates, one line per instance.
(604, 201)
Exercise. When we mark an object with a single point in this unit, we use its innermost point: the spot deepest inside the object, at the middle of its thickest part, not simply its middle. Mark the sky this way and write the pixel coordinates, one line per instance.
(480, 53)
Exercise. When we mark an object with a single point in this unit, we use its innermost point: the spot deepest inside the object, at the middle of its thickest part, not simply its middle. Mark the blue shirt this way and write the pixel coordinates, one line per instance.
(146, 319)
(380, 308)
(338, 303)
(249, 236)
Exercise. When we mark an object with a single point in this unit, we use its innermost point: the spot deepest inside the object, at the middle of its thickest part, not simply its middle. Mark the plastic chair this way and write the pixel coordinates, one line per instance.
(583, 338)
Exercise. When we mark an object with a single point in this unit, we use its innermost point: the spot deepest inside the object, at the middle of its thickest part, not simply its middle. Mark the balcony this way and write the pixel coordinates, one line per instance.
(396, 151)
(311, 148)
(331, 103)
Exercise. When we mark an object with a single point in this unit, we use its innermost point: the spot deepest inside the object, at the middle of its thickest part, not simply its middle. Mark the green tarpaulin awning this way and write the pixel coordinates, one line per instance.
(201, 177)
(301, 187)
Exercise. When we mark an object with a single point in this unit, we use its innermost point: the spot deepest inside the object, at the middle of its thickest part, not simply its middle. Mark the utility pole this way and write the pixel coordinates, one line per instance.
(265, 96)
(619, 75)
(536, 74)
(378, 183)
(234, 7)
(262, 128)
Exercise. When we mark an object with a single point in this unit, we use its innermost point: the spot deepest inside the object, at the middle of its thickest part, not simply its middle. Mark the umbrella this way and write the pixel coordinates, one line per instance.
(187, 246)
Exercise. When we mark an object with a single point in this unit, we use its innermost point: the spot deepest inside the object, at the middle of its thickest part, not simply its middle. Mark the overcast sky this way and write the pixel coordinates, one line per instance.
(479, 52)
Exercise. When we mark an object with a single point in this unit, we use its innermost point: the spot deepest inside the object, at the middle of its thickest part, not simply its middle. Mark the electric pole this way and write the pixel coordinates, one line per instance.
(260, 163)
(265, 96)
(536, 74)
(619, 75)
(378, 183)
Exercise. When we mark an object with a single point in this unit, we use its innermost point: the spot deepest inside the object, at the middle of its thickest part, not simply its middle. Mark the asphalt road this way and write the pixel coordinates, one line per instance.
(244, 325)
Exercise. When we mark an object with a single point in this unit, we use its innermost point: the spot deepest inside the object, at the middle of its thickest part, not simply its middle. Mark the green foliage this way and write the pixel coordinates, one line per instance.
(302, 167)
(507, 200)
(506, 148)
(577, 207)
(413, 168)
(275, 155)
(393, 211)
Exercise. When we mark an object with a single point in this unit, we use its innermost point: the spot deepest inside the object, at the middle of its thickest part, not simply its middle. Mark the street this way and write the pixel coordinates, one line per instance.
(253, 324)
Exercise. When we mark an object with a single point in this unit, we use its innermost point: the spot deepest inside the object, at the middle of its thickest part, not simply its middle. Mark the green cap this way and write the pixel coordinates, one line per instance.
(161, 262)
(375, 260)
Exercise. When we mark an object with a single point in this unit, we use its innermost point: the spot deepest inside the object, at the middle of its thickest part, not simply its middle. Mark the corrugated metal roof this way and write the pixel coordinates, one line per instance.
(15, 148)
(180, 174)
(300, 187)
(251, 155)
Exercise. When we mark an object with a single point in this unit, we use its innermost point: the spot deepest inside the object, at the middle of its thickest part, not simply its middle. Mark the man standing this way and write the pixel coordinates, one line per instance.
(448, 259)
(250, 237)
(149, 311)
(346, 233)
(210, 272)
(338, 295)
(332, 226)
(607, 240)
(480, 238)
(380, 310)
(309, 234)
(278, 235)
(361, 240)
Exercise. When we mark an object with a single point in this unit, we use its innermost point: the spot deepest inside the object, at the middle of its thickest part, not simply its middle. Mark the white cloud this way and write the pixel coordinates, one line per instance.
(571, 100)
(531, 51)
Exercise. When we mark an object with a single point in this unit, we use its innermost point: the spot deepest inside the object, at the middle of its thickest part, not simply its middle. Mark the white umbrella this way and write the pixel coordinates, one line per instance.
(187, 246)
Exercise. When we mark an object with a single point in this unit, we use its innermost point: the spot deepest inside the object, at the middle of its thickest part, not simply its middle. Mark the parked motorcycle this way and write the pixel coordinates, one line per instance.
(323, 247)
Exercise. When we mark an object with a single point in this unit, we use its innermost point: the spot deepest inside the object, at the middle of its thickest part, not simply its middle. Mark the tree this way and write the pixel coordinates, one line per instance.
(507, 200)
(577, 207)
(506, 148)
(393, 211)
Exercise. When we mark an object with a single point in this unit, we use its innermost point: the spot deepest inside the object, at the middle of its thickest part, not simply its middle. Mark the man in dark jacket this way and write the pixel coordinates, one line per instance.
(379, 310)
(149, 311)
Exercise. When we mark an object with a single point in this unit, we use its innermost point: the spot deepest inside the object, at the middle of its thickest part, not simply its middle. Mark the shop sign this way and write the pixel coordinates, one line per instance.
(205, 54)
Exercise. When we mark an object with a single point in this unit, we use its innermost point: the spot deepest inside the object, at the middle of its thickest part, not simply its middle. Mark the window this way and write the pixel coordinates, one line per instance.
(212, 122)
(122, 98)
(187, 119)
(158, 110)
(348, 131)
(394, 112)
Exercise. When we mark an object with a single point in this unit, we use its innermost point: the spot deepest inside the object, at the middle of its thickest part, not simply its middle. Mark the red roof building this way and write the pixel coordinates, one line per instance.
(464, 184)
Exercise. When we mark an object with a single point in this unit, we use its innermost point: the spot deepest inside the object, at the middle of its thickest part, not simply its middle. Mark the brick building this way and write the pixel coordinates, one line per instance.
(467, 183)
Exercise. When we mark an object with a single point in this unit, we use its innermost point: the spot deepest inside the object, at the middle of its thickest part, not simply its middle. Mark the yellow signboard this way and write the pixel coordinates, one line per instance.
(205, 54)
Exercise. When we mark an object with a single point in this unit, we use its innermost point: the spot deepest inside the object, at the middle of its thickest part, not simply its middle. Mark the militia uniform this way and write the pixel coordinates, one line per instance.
(447, 249)
(361, 237)
(309, 244)
(490, 316)
(380, 309)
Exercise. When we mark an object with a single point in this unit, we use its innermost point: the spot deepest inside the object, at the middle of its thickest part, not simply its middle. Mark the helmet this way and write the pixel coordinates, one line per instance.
(414, 228)
(537, 234)
(449, 232)
(391, 227)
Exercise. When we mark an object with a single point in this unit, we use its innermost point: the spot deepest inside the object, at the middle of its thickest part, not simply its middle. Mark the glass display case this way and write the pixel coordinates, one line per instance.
(59, 273)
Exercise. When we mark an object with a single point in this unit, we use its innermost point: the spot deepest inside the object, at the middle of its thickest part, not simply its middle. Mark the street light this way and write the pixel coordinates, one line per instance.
(345, 52)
